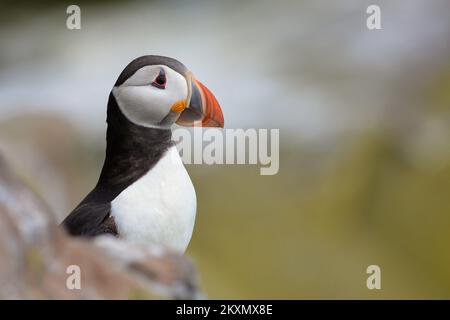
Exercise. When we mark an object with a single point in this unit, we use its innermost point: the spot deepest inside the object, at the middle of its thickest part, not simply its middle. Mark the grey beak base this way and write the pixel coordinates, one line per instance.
(194, 112)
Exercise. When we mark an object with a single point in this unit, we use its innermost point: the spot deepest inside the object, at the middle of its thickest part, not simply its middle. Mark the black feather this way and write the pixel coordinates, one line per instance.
(131, 151)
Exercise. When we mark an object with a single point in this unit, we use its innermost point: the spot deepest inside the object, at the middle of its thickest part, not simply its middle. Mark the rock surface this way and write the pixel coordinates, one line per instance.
(36, 255)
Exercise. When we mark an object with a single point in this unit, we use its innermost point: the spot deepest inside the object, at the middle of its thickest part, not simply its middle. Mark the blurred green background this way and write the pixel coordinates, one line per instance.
(364, 120)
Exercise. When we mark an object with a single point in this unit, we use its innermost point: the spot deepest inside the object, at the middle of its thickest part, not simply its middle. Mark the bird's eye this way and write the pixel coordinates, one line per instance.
(160, 80)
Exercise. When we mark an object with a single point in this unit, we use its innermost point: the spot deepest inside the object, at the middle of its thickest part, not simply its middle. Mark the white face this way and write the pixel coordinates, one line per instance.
(146, 98)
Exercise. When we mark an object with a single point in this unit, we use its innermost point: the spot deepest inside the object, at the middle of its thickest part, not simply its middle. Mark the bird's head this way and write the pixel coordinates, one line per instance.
(156, 92)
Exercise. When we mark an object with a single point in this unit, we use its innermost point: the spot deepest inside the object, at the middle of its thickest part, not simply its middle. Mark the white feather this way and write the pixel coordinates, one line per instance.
(160, 207)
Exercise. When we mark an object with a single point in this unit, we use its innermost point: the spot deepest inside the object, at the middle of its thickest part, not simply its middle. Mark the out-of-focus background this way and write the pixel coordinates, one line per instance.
(364, 120)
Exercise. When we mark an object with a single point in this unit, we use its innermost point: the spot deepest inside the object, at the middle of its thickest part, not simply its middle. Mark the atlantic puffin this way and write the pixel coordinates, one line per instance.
(144, 193)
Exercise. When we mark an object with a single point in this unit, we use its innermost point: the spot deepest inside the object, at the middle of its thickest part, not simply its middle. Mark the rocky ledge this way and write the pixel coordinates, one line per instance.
(38, 260)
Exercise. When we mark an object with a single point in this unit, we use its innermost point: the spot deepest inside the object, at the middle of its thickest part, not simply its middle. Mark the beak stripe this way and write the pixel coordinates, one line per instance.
(214, 116)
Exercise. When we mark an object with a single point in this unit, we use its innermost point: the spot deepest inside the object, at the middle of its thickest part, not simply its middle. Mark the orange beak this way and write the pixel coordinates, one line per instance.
(203, 109)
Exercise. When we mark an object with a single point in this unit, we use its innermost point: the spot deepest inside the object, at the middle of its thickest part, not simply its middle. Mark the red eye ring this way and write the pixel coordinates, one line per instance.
(160, 80)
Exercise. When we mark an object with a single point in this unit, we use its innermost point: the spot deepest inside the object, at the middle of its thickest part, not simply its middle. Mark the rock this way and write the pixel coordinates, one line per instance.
(35, 254)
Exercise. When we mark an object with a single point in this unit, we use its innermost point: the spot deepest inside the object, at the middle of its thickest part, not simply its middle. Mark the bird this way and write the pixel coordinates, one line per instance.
(144, 194)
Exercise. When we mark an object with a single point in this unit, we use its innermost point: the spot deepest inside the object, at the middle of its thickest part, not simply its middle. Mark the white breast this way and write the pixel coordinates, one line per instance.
(160, 207)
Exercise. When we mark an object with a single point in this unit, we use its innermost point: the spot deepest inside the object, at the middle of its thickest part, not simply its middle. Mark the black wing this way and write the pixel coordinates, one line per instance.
(90, 219)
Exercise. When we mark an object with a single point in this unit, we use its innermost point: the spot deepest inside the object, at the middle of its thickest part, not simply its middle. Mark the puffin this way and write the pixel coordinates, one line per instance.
(144, 194)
